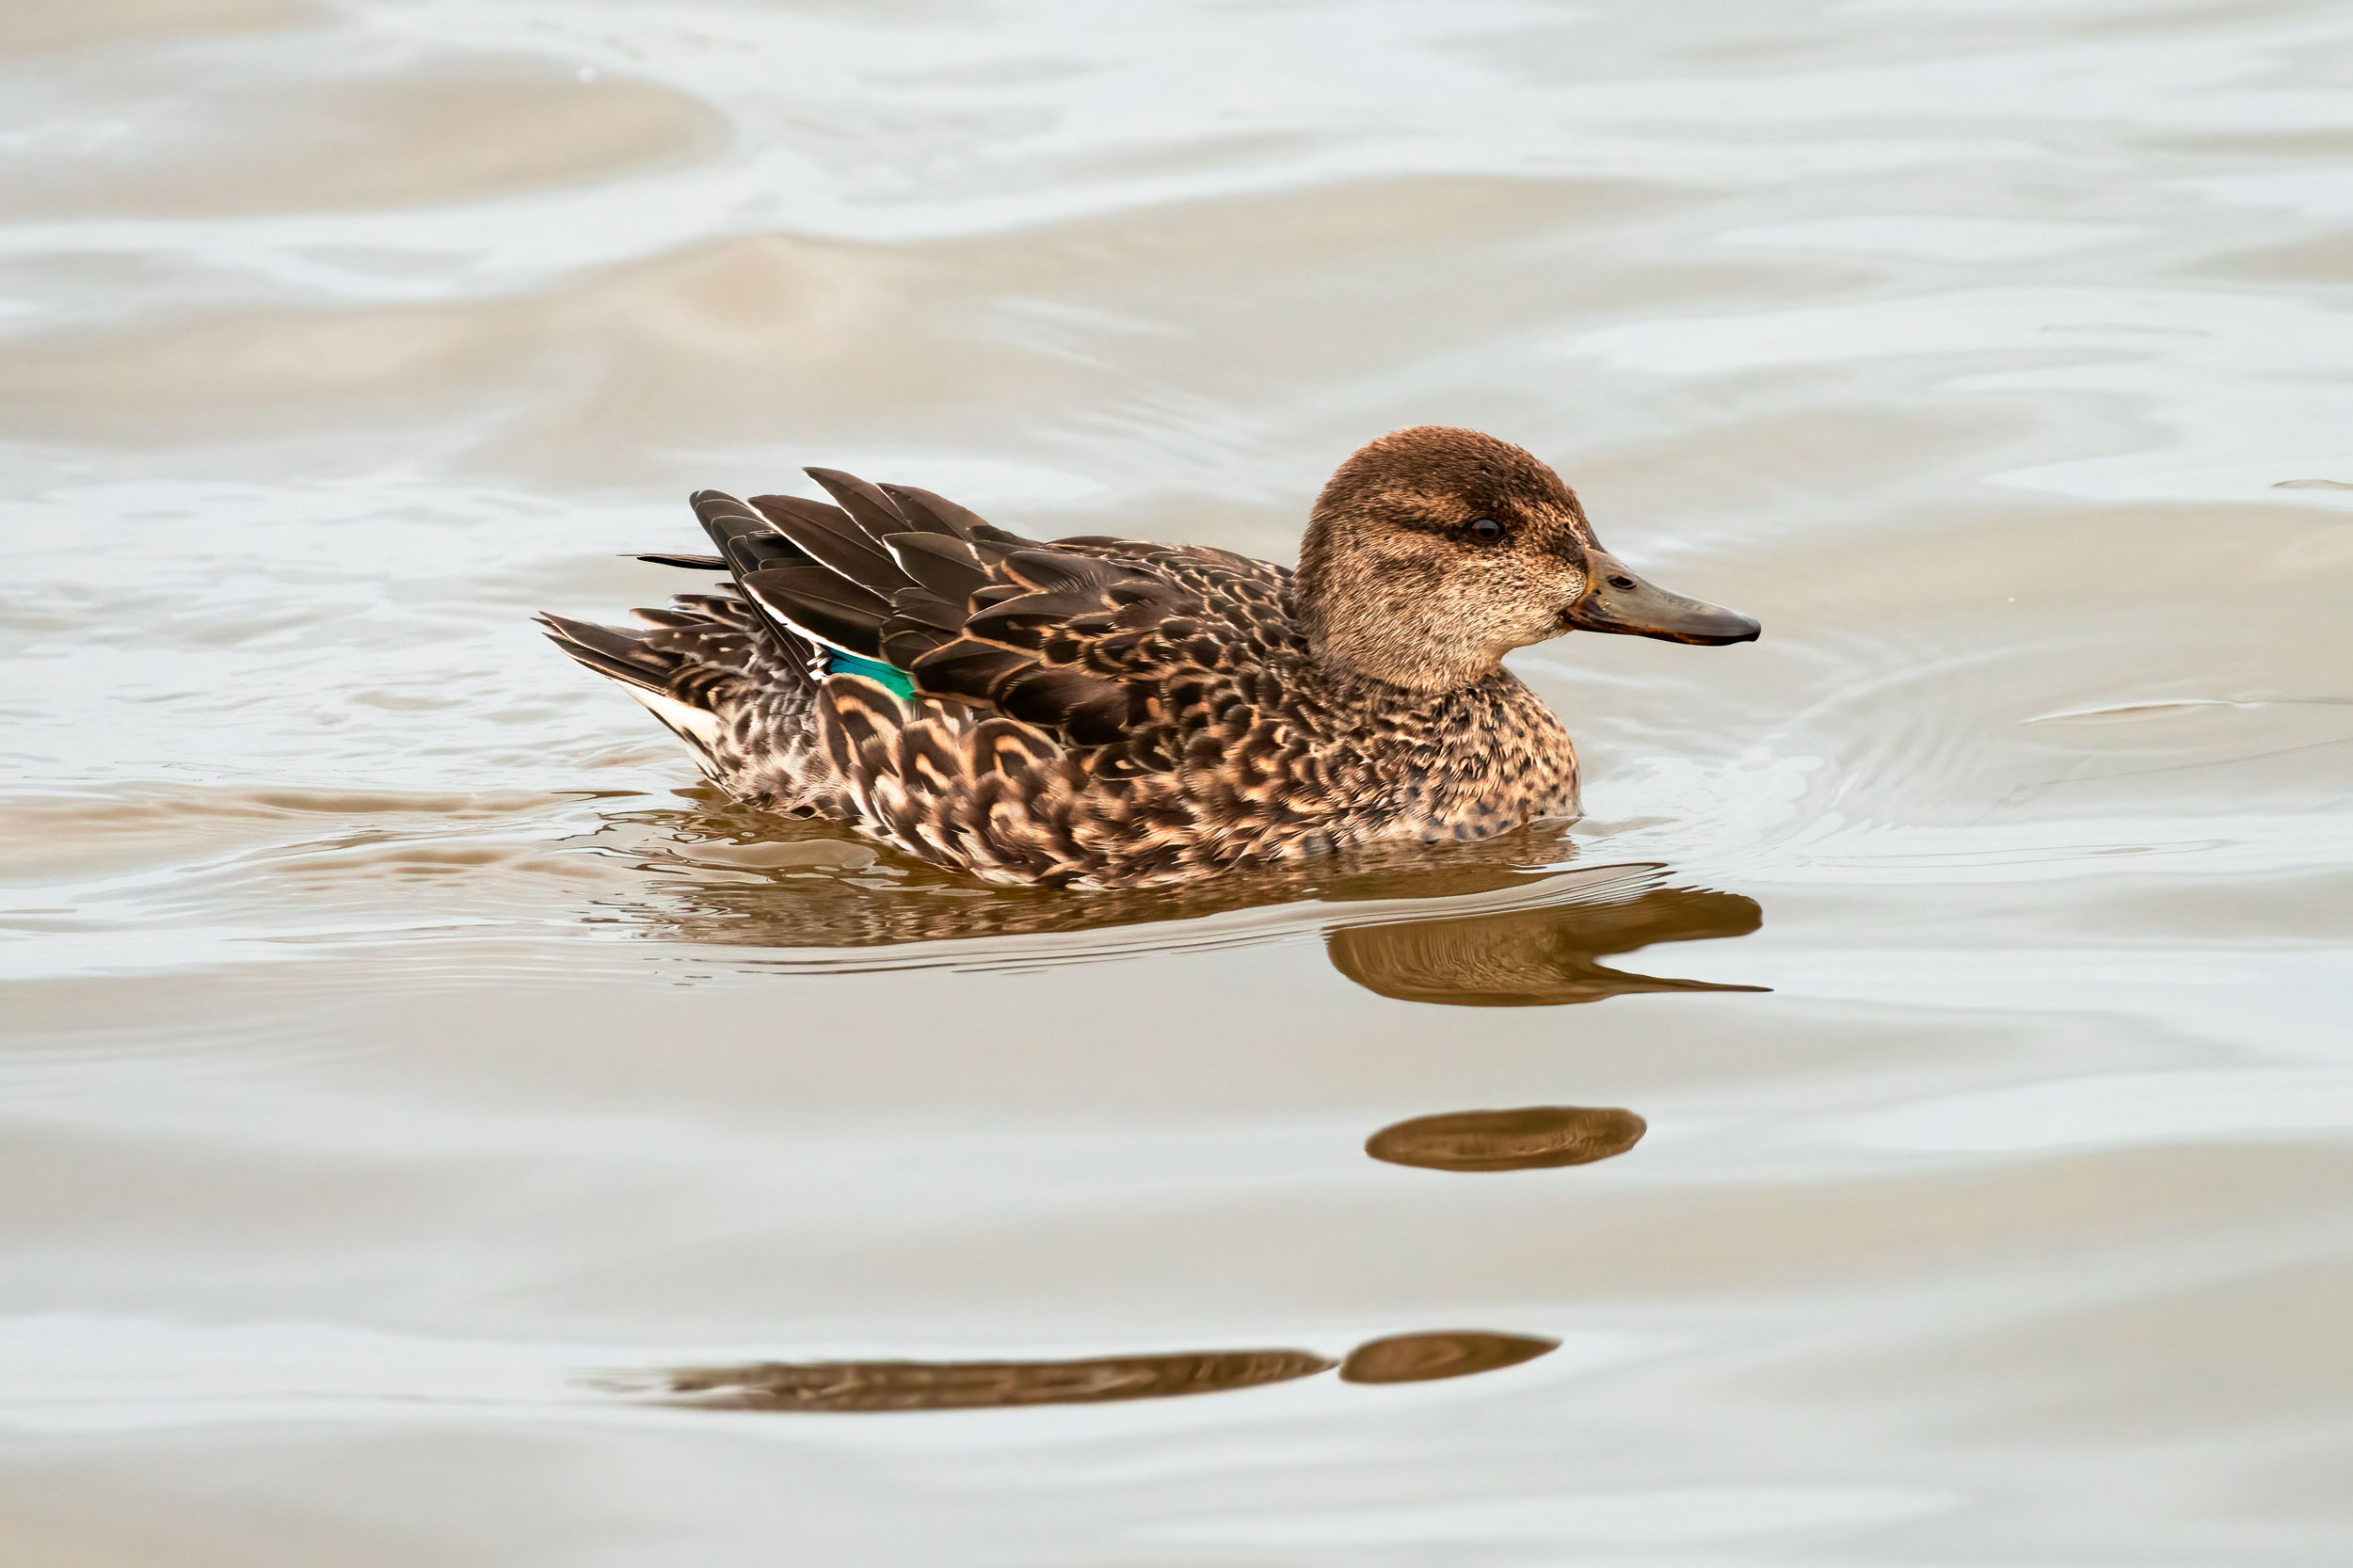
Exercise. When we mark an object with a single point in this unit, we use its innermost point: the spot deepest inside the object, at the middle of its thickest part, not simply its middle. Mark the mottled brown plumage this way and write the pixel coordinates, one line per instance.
(1097, 713)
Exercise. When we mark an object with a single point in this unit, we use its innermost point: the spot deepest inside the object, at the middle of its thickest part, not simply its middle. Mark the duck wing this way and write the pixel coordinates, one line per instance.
(1094, 640)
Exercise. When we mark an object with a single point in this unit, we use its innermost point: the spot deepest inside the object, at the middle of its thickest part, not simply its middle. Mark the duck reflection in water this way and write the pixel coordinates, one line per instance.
(1512, 921)
(845, 1387)
(1508, 922)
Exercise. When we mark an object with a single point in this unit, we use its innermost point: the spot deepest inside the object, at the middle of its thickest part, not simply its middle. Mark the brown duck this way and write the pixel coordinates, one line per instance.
(1095, 713)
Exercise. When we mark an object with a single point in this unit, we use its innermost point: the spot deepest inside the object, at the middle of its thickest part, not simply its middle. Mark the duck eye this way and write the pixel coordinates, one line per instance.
(1485, 529)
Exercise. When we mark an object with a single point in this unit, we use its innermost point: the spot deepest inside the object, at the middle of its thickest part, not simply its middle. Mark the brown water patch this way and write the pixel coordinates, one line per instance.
(1538, 1137)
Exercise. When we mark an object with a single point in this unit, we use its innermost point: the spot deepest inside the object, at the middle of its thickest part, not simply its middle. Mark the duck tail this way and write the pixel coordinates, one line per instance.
(657, 671)
(611, 651)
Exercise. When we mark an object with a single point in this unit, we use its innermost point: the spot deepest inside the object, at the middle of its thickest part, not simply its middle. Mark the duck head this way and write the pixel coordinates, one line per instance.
(1435, 552)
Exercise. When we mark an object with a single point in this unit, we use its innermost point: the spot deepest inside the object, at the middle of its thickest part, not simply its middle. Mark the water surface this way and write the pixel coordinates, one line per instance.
(1909, 1121)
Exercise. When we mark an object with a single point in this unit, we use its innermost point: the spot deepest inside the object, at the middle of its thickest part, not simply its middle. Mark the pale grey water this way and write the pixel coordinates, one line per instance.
(399, 1075)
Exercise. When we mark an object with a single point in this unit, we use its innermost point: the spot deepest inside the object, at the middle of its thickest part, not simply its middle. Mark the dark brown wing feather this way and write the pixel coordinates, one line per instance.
(929, 513)
(820, 605)
(1101, 649)
(832, 538)
(1092, 642)
(867, 507)
(945, 564)
(748, 544)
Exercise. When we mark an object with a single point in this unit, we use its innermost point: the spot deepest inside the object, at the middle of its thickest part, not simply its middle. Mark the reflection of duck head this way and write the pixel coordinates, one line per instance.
(1537, 957)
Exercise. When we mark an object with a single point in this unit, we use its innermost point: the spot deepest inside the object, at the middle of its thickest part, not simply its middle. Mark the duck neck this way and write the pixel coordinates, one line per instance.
(1386, 622)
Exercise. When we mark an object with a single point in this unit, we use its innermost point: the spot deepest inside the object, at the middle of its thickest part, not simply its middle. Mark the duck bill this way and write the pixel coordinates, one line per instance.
(1617, 600)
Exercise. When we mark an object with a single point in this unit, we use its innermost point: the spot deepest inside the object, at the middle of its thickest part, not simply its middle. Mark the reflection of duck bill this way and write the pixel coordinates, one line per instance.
(854, 1386)
(1537, 957)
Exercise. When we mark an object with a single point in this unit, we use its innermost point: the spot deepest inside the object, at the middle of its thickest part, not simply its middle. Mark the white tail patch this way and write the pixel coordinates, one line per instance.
(698, 726)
